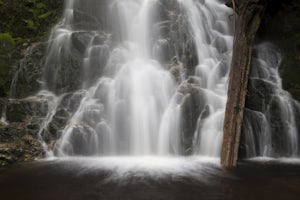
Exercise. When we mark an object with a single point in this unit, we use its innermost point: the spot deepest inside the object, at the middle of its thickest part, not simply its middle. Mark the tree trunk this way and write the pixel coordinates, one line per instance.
(250, 13)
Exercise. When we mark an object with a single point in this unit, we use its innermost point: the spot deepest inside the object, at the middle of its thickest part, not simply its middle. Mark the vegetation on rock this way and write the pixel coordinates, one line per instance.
(22, 23)
(24, 28)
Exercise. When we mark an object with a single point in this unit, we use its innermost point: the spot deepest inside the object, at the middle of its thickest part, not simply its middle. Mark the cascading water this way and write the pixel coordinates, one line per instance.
(212, 36)
(270, 125)
(139, 76)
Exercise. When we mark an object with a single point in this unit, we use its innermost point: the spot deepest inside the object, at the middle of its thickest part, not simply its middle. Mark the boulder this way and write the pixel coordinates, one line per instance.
(19, 144)
(192, 106)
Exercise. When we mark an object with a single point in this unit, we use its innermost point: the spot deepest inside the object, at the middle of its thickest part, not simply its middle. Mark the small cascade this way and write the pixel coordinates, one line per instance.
(20, 69)
(59, 51)
(270, 125)
(211, 31)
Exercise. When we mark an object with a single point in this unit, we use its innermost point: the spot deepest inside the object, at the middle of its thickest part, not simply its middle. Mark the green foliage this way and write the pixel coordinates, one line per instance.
(23, 23)
(30, 18)
(6, 40)
(39, 14)
(7, 45)
(30, 24)
(45, 15)
(40, 5)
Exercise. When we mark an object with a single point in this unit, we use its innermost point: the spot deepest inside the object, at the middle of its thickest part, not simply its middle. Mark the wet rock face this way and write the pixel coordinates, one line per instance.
(18, 143)
(192, 106)
(176, 42)
(63, 74)
(28, 72)
(22, 59)
(20, 140)
(19, 110)
(281, 27)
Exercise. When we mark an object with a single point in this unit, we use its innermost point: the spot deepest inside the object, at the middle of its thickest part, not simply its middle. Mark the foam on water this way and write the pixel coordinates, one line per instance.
(122, 169)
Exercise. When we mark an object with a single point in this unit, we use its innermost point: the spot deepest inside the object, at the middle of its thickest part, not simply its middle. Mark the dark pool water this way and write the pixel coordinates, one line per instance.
(82, 179)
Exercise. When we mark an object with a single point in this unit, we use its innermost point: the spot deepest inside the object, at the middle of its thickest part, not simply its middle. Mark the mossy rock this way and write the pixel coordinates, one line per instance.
(29, 72)
(29, 19)
(7, 43)
(23, 23)
(5, 77)
(19, 144)
(20, 152)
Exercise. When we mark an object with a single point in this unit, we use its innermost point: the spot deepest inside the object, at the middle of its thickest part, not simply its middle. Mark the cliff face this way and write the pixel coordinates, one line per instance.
(281, 27)
(24, 28)
(22, 23)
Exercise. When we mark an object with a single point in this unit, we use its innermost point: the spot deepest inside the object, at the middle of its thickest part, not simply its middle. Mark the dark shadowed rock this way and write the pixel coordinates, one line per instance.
(192, 107)
(21, 109)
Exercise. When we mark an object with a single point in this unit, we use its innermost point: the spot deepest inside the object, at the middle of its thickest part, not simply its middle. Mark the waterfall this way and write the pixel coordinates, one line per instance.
(149, 78)
(145, 77)
(270, 125)
(212, 35)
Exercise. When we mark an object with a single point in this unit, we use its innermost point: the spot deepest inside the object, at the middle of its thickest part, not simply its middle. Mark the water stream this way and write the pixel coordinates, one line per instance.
(132, 103)
(270, 125)
(149, 78)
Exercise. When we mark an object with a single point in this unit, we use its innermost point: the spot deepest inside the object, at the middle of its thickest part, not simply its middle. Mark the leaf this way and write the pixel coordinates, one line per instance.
(30, 24)
(33, 11)
(45, 15)
(40, 5)
(8, 38)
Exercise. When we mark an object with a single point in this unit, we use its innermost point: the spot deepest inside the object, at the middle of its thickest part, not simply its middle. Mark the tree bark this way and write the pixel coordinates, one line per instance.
(250, 15)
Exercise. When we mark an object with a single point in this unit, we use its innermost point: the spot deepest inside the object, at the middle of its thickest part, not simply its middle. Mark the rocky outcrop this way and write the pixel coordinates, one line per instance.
(17, 144)
(281, 26)
(22, 55)
(192, 98)
(19, 139)
(250, 15)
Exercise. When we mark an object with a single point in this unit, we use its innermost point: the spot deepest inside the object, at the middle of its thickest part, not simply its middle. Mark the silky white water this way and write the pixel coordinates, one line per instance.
(270, 125)
(145, 81)
(212, 35)
(135, 107)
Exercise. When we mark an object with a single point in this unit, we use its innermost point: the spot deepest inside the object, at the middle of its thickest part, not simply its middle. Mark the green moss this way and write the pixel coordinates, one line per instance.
(7, 38)
(7, 45)
(30, 24)
(29, 19)
(23, 23)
